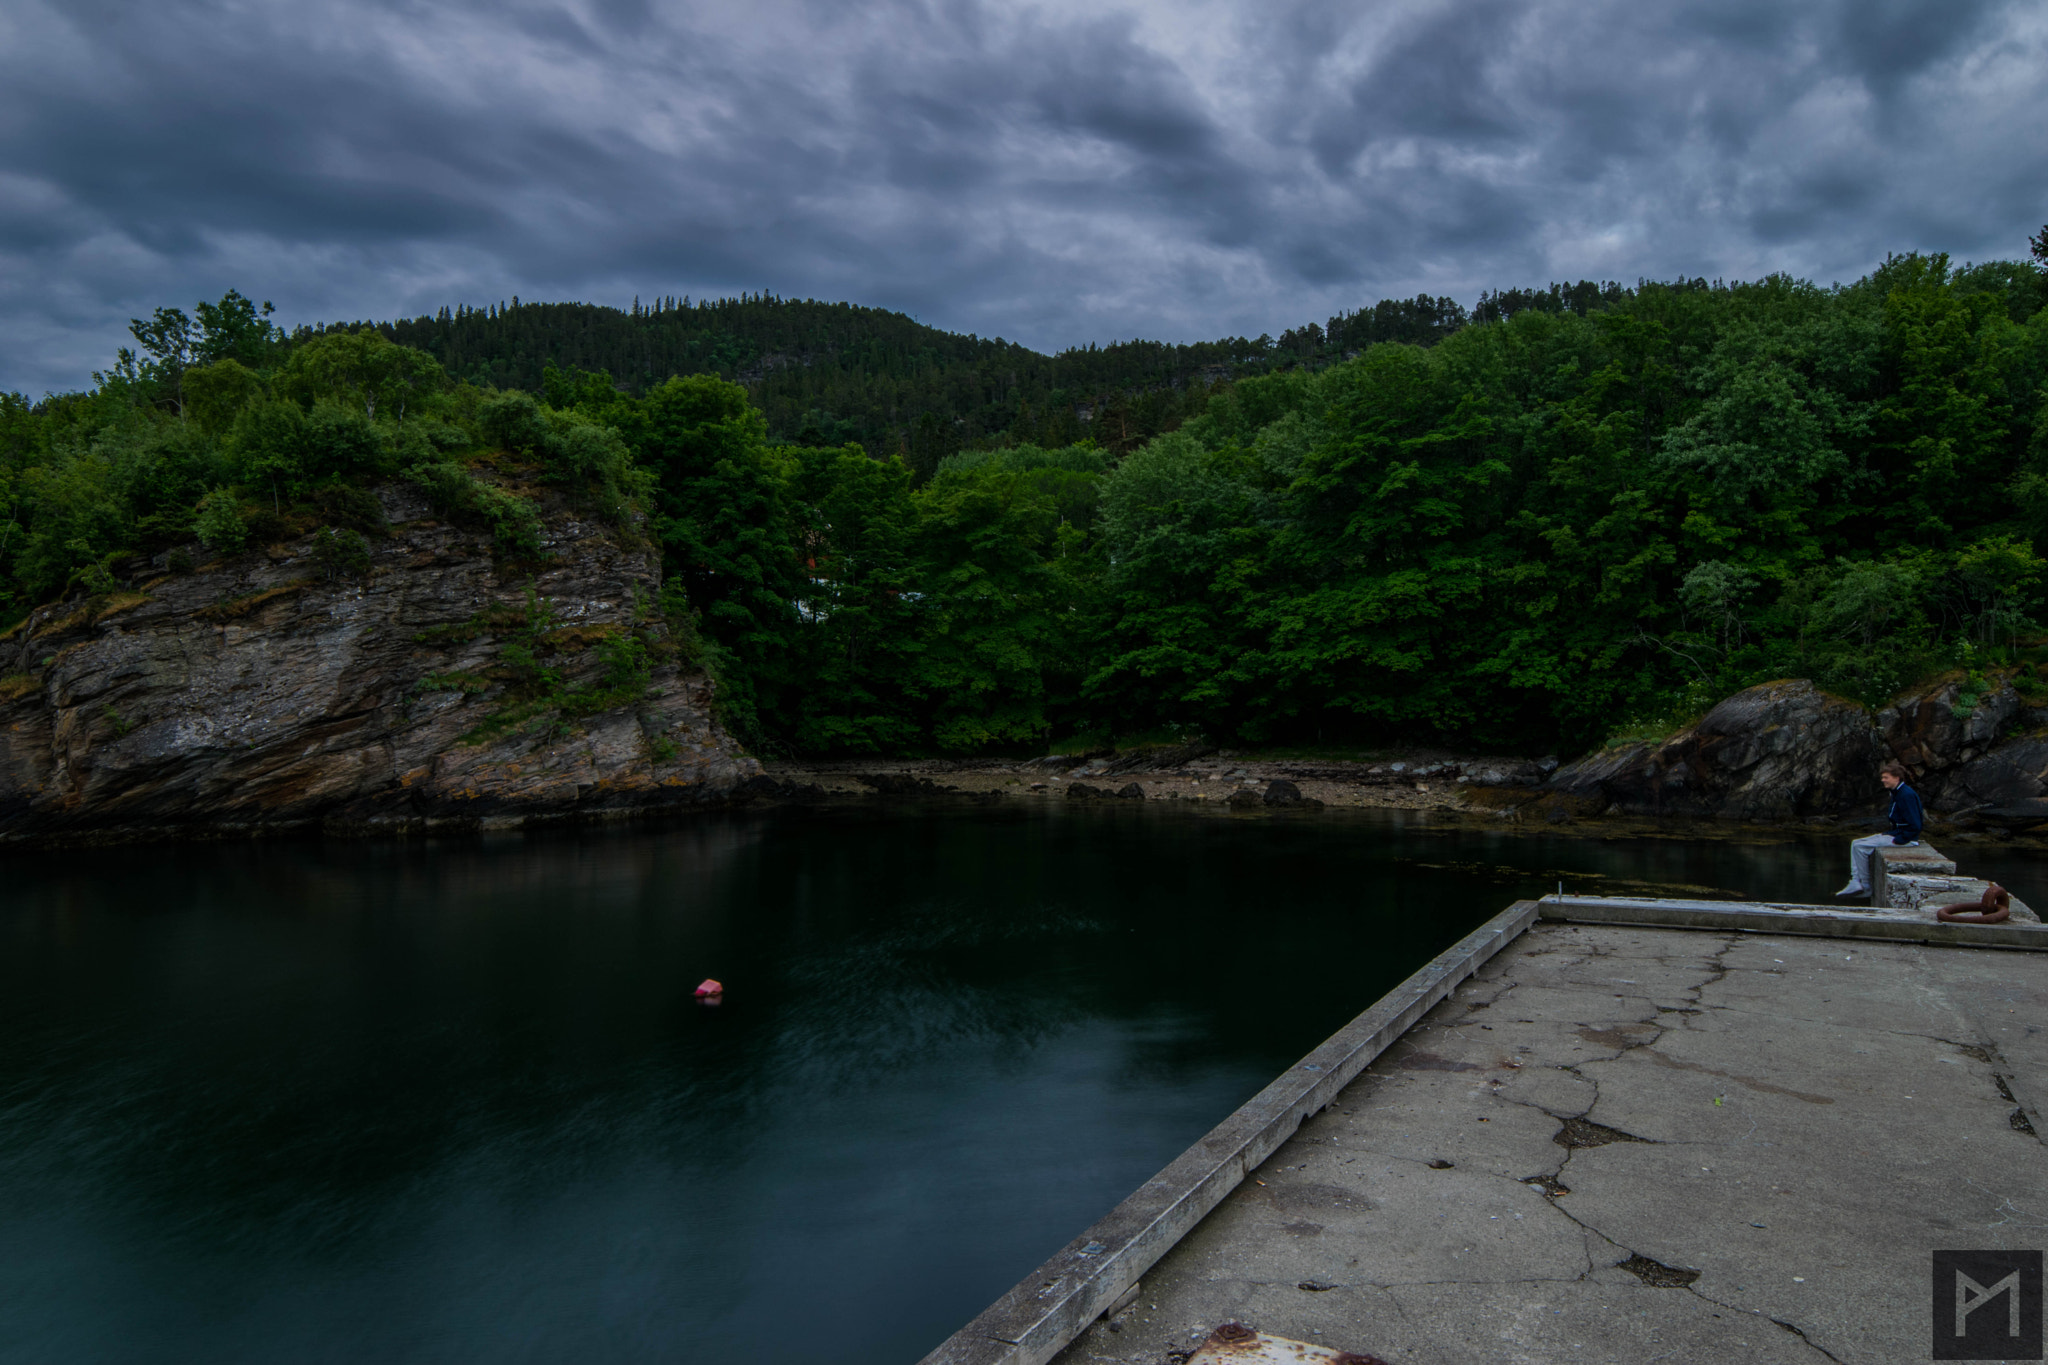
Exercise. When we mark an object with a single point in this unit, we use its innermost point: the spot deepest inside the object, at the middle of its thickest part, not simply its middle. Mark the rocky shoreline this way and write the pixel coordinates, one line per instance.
(1768, 762)
(259, 695)
(1175, 773)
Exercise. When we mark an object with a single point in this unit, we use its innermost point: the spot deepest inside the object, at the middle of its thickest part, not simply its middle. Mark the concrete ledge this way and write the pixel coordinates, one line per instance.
(1056, 1303)
(1825, 921)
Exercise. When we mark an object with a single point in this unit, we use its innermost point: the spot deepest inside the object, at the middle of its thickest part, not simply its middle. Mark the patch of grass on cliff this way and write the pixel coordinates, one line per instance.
(492, 620)
(1665, 715)
(97, 607)
(466, 683)
(234, 608)
(2031, 682)
(539, 700)
(513, 521)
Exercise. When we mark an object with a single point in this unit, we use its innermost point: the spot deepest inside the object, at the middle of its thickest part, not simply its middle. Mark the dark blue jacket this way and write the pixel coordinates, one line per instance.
(1905, 815)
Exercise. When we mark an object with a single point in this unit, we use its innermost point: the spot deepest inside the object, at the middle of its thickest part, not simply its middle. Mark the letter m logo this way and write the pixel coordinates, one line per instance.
(1987, 1305)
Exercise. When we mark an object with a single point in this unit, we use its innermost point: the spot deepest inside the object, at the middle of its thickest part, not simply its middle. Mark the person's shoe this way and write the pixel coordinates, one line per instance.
(1853, 890)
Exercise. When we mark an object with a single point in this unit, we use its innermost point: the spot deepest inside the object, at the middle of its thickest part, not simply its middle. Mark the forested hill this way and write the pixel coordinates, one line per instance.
(829, 373)
(1572, 513)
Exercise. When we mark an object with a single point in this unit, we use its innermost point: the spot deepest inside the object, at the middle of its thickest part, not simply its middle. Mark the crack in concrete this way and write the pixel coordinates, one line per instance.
(1690, 1287)
(1592, 1231)
(1764, 1086)
(2005, 1076)
(1808, 1341)
(1572, 1218)
(1793, 1328)
(1717, 964)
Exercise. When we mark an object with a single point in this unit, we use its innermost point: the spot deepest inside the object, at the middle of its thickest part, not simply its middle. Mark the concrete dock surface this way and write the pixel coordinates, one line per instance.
(1641, 1145)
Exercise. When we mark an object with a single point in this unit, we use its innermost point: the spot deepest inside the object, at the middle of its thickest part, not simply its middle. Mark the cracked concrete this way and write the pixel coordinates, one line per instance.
(1641, 1145)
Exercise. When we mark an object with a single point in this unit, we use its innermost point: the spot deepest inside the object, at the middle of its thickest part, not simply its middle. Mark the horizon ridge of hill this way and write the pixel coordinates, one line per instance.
(830, 373)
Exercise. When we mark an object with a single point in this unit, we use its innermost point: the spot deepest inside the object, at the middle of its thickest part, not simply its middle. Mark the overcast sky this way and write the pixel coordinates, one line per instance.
(1054, 173)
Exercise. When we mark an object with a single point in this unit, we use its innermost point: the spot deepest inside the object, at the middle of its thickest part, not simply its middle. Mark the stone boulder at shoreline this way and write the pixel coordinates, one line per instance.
(1787, 750)
(1782, 750)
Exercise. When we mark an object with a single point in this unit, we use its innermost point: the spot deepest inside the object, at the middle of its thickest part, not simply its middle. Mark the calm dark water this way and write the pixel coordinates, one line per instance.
(350, 1102)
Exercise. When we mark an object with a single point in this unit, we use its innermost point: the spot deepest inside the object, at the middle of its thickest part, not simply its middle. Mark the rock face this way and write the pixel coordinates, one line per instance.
(1778, 751)
(1786, 750)
(2012, 777)
(255, 694)
(1956, 756)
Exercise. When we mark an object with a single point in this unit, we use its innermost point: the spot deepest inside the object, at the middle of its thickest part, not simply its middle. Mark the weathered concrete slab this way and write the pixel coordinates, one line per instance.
(1030, 1324)
(1908, 860)
(1744, 1146)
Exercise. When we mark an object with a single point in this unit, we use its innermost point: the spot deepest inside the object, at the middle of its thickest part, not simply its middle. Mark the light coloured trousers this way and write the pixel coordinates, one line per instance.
(1862, 853)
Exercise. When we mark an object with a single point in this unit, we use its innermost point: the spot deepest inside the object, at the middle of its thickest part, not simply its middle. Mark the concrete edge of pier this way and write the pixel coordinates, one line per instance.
(1086, 1278)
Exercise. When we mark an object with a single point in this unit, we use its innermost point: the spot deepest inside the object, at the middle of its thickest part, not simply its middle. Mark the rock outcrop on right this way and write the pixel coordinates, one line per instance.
(1939, 740)
(2010, 783)
(1778, 751)
(1787, 750)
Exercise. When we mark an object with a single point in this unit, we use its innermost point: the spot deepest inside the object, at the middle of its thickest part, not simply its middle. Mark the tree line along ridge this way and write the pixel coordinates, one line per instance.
(1561, 516)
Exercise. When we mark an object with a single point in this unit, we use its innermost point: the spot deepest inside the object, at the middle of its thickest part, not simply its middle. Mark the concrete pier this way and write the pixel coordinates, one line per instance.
(1638, 1144)
(1602, 1129)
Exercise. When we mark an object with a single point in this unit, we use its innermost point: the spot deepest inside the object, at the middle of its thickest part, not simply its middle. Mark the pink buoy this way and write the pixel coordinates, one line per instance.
(711, 987)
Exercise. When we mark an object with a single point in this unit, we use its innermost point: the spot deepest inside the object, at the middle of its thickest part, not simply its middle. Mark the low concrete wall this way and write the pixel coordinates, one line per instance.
(1056, 1303)
(1900, 927)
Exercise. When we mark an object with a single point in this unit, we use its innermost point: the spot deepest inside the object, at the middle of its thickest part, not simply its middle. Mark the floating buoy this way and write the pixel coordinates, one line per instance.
(710, 987)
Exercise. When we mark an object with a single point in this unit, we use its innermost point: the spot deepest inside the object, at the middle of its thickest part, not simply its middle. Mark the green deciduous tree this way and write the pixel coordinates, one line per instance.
(724, 525)
(362, 369)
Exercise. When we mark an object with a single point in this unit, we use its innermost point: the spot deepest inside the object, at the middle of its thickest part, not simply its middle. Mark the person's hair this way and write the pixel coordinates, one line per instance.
(1897, 770)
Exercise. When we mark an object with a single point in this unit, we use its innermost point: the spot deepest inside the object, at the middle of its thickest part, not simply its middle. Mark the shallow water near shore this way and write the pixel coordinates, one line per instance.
(455, 1102)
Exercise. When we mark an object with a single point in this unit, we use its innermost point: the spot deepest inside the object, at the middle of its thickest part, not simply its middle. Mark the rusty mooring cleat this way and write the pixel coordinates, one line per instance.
(1236, 1344)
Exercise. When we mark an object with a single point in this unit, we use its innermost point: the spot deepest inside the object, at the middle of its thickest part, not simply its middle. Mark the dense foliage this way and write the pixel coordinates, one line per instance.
(1568, 513)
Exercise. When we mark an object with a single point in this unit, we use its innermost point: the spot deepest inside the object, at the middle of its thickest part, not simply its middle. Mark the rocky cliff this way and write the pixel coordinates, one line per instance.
(1786, 750)
(433, 687)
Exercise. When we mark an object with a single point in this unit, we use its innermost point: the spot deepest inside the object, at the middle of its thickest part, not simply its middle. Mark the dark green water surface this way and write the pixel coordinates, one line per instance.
(455, 1102)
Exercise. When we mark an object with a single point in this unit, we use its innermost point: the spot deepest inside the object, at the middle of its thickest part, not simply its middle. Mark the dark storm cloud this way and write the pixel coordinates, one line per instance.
(1056, 173)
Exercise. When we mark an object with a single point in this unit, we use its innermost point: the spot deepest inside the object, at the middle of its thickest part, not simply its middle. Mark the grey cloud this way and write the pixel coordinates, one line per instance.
(1893, 40)
(1053, 175)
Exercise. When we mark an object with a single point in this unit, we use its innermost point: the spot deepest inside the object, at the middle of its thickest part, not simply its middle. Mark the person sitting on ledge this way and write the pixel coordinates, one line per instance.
(1905, 816)
(1995, 908)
